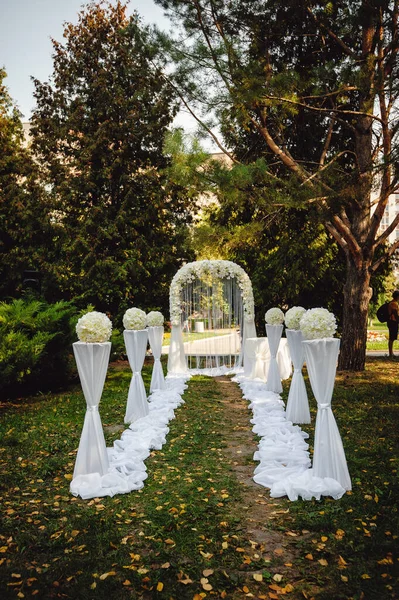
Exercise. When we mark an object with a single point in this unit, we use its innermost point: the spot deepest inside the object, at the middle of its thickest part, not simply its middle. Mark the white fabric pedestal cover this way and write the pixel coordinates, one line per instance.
(329, 457)
(257, 358)
(155, 337)
(297, 409)
(136, 347)
(177, 364)
(273, 379)
(92, 362)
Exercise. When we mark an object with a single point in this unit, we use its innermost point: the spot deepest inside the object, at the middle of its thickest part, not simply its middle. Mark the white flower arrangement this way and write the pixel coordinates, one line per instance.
(155, 319)
(293, 316)
(134, 318)
(94, 327)
(318, 323)
(217, 269)
(274, 316)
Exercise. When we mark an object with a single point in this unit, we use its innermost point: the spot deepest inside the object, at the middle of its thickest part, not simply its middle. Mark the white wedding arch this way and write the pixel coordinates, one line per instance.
(212, 314)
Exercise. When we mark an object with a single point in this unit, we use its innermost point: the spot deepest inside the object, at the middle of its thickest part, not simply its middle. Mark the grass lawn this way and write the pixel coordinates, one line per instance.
(200, 528)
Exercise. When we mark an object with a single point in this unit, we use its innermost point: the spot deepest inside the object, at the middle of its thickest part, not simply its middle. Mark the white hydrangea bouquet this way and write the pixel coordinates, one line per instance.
(318, 323)
(94, 327)
(155, 319)
(274, 316)
(134, 318)
(293, 316)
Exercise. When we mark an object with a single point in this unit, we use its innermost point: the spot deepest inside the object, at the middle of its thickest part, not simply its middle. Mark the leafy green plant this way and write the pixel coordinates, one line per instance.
(35, 344)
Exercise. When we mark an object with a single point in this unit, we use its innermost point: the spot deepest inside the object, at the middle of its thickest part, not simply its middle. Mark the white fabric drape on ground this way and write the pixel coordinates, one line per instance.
(155, 337)
(273, 380)
(92, 363)
(127, 470)
(297, 409)
(257, 358)
(284, 462)
(136, 347)
(329, 457)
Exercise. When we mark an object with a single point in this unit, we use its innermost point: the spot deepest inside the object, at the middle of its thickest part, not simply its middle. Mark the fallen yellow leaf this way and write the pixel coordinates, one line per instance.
(207, 572)
(309, 556)
(323, 562)
(258, 576)
(105, 575)
(365, 576)
(277, 577)
(159, 586)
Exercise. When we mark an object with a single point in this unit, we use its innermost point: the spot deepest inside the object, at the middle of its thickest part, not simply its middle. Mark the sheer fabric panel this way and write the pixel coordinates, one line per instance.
(212, 323)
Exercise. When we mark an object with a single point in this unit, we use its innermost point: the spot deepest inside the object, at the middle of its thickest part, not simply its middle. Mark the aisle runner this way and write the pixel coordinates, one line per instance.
(127, 470)
(284, 463)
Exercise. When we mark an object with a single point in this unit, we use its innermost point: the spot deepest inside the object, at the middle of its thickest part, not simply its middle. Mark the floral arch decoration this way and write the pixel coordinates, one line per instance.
(225, 290)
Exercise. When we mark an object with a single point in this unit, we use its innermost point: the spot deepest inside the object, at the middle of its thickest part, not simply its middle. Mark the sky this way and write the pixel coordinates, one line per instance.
(26, 29)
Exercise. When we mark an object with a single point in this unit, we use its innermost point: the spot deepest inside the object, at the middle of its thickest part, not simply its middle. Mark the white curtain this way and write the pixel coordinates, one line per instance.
(136, 346)
(329, 457)
(212, 325)
(155, 337)
(274, 333)
(297, 409)
(92, 363)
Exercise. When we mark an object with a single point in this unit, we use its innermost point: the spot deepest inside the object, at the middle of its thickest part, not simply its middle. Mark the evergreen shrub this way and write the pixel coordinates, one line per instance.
(35, 345)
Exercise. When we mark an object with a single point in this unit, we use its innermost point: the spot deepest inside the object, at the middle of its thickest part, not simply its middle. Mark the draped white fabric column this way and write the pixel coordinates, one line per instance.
(249, 332)
(155, 337)
(329, 457)
(136, 346)
(177, 364)
(297, 409)
(92, 363)
(274, 333)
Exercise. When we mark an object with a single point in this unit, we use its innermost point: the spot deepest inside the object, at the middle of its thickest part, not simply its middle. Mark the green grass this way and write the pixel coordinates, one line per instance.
(188, 518)
(363, 527)
(52, 542)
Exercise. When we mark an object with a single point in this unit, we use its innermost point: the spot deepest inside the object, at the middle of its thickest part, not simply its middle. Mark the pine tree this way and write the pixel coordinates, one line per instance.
(310, 89)
(26, 231)
(98, 131)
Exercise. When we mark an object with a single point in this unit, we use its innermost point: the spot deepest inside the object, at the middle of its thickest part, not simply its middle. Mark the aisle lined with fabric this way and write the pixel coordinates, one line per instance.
(284, 460)
(127, 470)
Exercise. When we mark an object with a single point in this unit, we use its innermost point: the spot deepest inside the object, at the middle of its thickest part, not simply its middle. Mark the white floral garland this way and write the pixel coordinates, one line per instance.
(217, 269)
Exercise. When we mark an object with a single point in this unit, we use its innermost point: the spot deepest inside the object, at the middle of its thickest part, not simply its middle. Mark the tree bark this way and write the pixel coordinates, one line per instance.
(357, 294)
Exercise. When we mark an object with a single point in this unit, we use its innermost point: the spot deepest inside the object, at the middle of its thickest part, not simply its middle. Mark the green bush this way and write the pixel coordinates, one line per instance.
(35, 345)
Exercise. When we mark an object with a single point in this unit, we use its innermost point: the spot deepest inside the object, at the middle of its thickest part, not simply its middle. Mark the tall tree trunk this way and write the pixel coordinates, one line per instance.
(357, 294)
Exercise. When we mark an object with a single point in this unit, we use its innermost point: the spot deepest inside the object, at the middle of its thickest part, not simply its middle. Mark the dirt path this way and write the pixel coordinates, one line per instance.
(276, 548)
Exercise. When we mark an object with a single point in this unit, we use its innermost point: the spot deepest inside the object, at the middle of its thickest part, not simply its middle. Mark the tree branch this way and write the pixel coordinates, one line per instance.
(389, 253)
(332, 35)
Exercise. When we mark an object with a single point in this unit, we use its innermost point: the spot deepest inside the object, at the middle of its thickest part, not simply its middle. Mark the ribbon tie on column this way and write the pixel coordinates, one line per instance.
(93, 408)
(323, 406)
